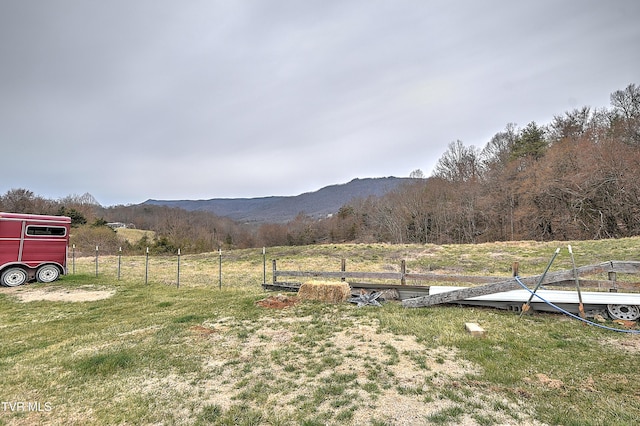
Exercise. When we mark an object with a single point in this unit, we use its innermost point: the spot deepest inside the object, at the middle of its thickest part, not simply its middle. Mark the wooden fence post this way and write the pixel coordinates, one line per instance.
(343, 268)
(614, 279)
(403, 272)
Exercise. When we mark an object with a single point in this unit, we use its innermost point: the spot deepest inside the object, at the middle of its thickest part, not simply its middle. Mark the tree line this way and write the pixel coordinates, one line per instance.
(577, 177)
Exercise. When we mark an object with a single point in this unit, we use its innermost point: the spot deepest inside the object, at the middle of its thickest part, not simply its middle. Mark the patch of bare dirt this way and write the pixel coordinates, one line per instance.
(546, 381)
(57, 294)
(629, 343)
(278, 301)
(203, 331)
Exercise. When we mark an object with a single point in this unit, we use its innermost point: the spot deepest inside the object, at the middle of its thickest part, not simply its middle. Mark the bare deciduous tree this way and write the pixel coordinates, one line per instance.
(626, 104)
(459, 163)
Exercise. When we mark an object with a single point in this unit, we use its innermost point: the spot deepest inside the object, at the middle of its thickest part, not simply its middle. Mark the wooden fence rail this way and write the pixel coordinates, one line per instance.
(292, 279)
(492, 284)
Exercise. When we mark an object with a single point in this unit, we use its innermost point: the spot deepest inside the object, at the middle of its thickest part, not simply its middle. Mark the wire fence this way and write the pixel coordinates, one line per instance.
(210, 269)
(249, 268)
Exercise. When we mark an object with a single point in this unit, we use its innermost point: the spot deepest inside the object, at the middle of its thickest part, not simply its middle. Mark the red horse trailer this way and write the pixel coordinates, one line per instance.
(32, 247)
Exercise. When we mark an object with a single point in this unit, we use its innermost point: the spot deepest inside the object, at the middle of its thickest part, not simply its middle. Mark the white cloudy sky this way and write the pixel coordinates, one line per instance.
(197, 99)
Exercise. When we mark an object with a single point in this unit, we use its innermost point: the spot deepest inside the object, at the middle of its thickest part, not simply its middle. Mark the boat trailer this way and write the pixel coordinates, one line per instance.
(515, 293)
(623, 306)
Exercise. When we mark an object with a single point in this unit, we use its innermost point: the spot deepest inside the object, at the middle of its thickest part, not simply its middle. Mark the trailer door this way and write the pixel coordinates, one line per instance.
(11, 239)
(44, 243)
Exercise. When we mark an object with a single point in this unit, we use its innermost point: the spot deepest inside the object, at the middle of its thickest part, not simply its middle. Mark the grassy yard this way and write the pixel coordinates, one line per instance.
(100, 350)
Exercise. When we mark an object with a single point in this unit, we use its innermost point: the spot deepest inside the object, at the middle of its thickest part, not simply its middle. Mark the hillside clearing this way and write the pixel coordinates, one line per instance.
(132, 236)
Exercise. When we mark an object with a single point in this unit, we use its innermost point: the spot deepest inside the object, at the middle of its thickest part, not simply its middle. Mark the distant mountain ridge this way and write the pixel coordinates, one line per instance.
(280, 209)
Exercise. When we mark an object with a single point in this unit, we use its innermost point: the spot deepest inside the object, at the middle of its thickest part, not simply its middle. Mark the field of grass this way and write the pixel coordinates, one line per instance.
(143, 350)
(134, 235)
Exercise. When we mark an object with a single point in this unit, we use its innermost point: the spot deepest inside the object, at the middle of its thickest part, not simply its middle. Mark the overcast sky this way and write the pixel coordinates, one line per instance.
(196, 99)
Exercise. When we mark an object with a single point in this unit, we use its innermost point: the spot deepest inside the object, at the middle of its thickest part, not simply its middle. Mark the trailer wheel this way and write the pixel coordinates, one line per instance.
(624, 312)
(14, 277)
(47, 273)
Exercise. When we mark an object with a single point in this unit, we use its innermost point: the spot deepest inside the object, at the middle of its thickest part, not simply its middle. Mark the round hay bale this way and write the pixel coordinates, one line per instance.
(325, 291)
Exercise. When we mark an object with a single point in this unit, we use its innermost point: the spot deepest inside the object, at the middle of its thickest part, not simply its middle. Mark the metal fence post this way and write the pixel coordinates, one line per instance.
(119, 261)
(264, 265)
(178, 282)
(273, 264)
(146, 267)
